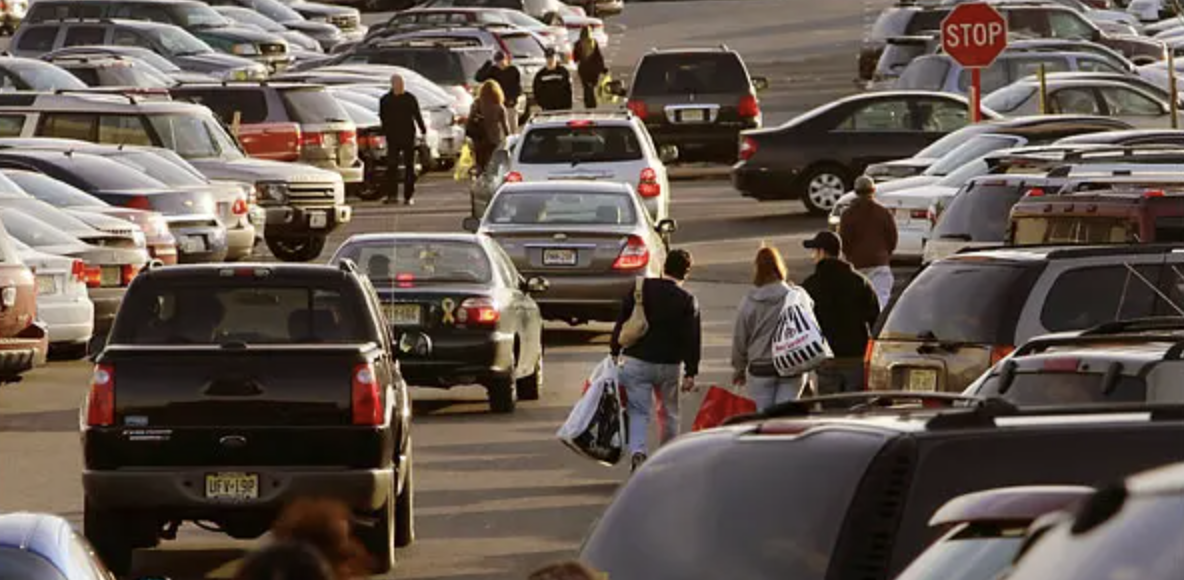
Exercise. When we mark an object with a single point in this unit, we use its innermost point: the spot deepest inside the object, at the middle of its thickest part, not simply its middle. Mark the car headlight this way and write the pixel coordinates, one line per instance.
(273, 193)
(324, 19)
(245, 49)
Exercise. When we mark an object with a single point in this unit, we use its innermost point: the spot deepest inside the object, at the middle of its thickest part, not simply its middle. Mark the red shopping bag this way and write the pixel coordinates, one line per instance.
(718, 405)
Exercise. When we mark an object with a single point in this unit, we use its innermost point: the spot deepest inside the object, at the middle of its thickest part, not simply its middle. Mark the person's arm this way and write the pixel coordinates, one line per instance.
(382, 114)
(418, 114)
(890, 233)
(626, 312)
(740, 345)
(694, 340)
(871, 306)
(503, 118)
(536, 85)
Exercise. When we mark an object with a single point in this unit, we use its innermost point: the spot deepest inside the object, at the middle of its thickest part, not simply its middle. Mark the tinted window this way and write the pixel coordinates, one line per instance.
(80, 126)
(176, 41)
(1115, 293)
(934, 305)
(1124, 102)
(1167, 229)
(123, 130)
(11, 125)
(1075, 101)
(941, 116)
(586, 145)
(1039, 229)
(21, 565)
(980, 211)
(52, 191)
(925, 21)
(1066, 24)
(925, 73)
(974, 553)
(1049, 388)
(689, 73)
(313, 106)
(523, 46)
(79, 35)
(880, 115)
(561, 208)
(412, 261)
(250, 104)
(992, 77)
(39, 39)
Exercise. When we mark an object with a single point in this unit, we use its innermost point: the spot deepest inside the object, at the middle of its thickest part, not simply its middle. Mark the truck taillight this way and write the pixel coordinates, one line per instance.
(1000, 352)
(747, 148)
(366, 398)
(347, 137)
(648, 185)
(127, 274)
(100, 401)
(637, 108)
(78, 270)
(749, 108)
(478, 311)
(633, 256)
(239, 207)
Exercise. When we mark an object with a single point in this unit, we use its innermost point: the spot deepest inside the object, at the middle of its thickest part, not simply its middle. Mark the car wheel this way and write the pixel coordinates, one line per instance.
(107, 533)
(405, 508)
(379, 538)
(824, 185)
(503, 393)
(530, 387)
(295, 248)
(370, 192)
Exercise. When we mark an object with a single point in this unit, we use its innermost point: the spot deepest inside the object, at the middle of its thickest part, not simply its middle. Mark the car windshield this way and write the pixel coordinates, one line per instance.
(16, 564)
(313, 105)
(939, 148)
(413, 261)
(248, 16)
(980, 212)
(1079, 229)
(975, 553)
(198, 15)
(123, 75)
(1008, 99)
(159, 168)
(42, 76)
(522, 46)
(689, 73)
(975, 148)
(194, 136)
(102, 174)
(580, 144)
(1066, 388)
(52, 191)
(34, 232)
(275, 10)
(568, 207)
(925, 74)
(178, 42)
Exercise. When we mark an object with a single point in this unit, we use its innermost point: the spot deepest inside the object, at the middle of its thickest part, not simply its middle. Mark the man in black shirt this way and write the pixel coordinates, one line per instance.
(509, 78)
(552, 85)
(401, 117)
(651, 365)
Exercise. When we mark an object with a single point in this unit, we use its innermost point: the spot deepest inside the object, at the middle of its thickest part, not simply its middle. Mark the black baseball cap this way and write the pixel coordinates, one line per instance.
(549, 52)
(499, 56)
(827, 241)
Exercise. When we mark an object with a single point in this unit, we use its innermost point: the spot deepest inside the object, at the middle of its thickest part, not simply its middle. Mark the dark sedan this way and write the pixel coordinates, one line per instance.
(459, 311)
(816, 156)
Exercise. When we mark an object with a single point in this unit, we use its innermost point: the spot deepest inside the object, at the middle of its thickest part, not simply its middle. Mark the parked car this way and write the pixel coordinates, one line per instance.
(135, 54)
(249, 18)
(459, 311)
(26, 340)
(932, 339)
(63, 305)
(940, 72)
(372, 150)
(347, 20)
(26, 74)
(36, 546)
(452, 67)
(589, 240)
(1136, 106)
(325, 33)
(556, 37)
(114, 71)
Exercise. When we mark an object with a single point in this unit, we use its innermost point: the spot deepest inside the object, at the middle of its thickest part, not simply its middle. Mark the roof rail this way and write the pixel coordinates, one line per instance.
(854, 402)
(1137, 325)
(1042, 344)
(983, 416)
(1125, 150)
(131, 99)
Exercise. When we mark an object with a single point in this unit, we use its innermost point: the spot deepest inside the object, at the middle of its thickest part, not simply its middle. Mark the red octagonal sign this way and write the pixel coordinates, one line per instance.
(974, 34)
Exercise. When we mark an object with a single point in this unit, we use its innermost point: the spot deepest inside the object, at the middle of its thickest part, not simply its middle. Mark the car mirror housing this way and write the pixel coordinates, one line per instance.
(667, 226)
(668, 153)
(537, 284)
(470, 224)
(760, 84)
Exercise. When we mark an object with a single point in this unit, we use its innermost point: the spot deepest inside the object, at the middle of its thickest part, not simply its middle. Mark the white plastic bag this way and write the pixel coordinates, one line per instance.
(596, 426)
(798, 343)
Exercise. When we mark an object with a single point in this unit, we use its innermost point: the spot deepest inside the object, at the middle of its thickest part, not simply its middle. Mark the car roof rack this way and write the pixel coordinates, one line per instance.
(1061, 251)
(131, 98)
(856, 402)
(610, 114)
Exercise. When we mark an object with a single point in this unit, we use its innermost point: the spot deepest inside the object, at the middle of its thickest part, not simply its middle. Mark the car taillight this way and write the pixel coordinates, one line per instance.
(749, 108)
(366, 397)
(127, 273)
(648, 185)
(747, 148)
(513, 177)
(100, 401)
(637, 108)
(1000, 352)
(347, 137)
(633, 256)
(312, 139)
(478, 311)
(78, 270)
(919, 214)
(868, 351)
(239, 207)
(93, 276)
(139, 202)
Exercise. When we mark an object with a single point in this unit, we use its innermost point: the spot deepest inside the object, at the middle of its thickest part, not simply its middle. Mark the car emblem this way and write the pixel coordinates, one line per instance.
(233, 441)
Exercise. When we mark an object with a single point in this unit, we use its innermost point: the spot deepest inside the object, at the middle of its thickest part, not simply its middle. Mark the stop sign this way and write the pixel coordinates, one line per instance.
(974, 34)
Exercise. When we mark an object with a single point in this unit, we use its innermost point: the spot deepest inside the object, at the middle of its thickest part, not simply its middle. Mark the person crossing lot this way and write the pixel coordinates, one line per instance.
(869, 237)
(401, 118)
(847, 308)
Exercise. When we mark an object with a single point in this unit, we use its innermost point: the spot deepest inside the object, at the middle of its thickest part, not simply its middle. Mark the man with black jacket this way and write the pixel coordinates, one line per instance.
(552, 85)
(400, 114)
(846, 307)
(509, 78)
(651, 365)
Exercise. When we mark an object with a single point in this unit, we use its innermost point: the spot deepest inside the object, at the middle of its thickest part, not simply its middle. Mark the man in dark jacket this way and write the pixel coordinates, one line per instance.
(651, 365)
(552, 85)
(869, 237)
(846, 308)
(400, 115)
(507, 76)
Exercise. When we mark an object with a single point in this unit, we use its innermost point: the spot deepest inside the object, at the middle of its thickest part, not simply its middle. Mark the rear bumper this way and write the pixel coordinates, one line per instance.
(67, 320)
(763, 183)
(200, 244)
(584, 298)
(239, 242)
(296, 221)
(454, 360)
(21, 353)
(722, 140)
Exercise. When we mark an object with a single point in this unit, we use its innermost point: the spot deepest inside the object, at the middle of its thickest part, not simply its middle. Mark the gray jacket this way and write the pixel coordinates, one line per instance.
(756, 321)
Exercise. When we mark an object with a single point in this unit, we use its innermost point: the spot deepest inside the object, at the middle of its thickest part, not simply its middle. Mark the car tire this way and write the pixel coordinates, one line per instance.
(370, 192)
(295, 248)
(379, 538)
(503, 392)
(822, 186)
(529, 388)
(405, 507)
(107, 532)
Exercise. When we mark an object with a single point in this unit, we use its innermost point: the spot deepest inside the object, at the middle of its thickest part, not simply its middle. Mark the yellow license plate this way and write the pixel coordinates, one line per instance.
(402, 314)
(46, 285)
(559, 257)
(922, 380)
(232, 486)
(110, 275)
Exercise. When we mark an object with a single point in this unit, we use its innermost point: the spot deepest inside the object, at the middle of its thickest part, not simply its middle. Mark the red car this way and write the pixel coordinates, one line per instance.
(24, 341)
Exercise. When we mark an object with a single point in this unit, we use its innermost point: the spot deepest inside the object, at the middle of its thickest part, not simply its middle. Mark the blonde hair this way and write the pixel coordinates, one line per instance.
(769, 267)
(491, 92)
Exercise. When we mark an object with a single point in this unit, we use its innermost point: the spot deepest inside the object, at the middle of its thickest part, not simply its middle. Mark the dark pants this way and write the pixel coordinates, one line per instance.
(839, 375)
(406, 155)
(589, 94)
(483, 152)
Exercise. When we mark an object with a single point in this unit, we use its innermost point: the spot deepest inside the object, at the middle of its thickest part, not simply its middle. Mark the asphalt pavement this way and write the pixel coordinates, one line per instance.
(498, 495)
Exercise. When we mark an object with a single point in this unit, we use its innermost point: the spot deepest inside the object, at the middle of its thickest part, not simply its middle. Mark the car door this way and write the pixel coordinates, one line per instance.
(526, 312)
(880, 130)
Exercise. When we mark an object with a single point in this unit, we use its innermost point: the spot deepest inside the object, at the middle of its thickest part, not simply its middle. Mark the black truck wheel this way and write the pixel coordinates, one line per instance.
(530, 387)
(379, 538)
(502, 395)
(108, 535)
(295, 248)
(405, 507)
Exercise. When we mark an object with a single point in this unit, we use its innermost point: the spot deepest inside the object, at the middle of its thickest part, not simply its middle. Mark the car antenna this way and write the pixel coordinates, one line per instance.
(1148, 284)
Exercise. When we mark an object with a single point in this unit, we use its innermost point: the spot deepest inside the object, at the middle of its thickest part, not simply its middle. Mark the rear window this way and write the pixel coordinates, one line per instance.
(411, 261)
(971, 150)
(523, 46)
(1115, 293)
(934, 306)
(104, 174)
(980, 212)
(925, 73)
(440, 66)
(34, 232)
(39, 39)
(690, 73)
(52, 191)
(1037, 230)
(978, 552)
(159, 168)
(313, 106)
(529, 208)
(1062, 388)
(568, 145)
(249, 310)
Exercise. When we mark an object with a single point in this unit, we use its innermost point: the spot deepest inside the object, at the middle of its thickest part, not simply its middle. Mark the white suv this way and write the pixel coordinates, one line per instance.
(595, 146)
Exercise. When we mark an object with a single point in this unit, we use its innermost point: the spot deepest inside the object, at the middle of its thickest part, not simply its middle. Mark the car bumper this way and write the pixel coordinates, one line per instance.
(715, 137)
(763, 183)
(26, 350)
(240, 242)
(910, 243)
(453, 360)
(106, 304)
(287, 220)
(584, 297)
(200, 244)
(67, 321)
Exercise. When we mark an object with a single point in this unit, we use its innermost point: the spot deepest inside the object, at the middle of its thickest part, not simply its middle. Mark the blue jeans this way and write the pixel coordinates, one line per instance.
(882, 282)
(768, 391)
(644, 382)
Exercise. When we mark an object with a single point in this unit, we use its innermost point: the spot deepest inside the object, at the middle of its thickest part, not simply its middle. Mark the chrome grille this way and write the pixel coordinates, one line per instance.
(348, 22)
(272, 48)
(310, 194)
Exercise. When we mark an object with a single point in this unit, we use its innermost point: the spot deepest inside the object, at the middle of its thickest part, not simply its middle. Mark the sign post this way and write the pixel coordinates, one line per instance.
(973, 35)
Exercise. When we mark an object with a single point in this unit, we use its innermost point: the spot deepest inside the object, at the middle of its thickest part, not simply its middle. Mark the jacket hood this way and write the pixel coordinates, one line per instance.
(769, 293)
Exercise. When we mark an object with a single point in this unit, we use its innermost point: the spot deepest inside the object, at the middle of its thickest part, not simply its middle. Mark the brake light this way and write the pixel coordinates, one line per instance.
(1000, 352)
(312, 140)
(749, 107)
(93, 276)
(785, 428)
(1154, 193)
(404, 279)
(365, 396)
(648, 185)
(139, 202)
(633, 256)
(100, 401)
(478, 311)
(127, 274)
(579, 123)
(868, 351)
(1035, 192)
(347, 137)
(637, 108)
(78, 270)
(919, 214)
(747, 148)
(513, 177)
(239, 207)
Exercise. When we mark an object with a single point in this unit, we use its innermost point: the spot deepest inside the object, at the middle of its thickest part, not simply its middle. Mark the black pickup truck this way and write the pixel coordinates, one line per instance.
(225, 392)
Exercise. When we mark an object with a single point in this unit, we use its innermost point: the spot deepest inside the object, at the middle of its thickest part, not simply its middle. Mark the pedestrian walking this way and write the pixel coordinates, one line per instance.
(509, 78)
(285, 561)
(755, 329)
(401, 117)
(571, 570)
(552, 85)
(846, 307)
(869, 238)
(325, 525)
(650, 366)
(487, 124)
(590, 65)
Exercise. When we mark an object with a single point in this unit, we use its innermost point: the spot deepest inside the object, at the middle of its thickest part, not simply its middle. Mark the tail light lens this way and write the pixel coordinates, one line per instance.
(637, 108)
(365, 397)
(239, 207)
(868, 352)
(100, 401)
(1000, 352)
(513, 177)
(347, 137)
(478, 311)
(93, 276)
(749, 108)
(312, 140)
(648, 185)
(127, 274)
(919, 214)
(747, 148)
(139, 202)
(633, 256)
(78, 270)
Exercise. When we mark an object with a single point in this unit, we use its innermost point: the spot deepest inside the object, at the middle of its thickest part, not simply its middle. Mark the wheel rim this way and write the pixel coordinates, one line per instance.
(825, 190)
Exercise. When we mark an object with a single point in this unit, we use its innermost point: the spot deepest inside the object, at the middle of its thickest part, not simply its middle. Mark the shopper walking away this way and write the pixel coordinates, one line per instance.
(846, 307)
(590, 65)
(400, 114)
(552, 85)
(326, 525)
(869, 238)
(487, 125)
(650, 366)
(285, 561)
(755, 329)
(509, 78)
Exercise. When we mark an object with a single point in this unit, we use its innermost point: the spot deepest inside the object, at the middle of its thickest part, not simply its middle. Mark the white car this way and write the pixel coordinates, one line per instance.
(62, 300)
(595, 146)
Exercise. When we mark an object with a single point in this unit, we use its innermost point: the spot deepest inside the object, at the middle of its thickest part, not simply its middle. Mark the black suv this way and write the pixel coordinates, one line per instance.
(800, 494)
(225, 392)
(698, 100)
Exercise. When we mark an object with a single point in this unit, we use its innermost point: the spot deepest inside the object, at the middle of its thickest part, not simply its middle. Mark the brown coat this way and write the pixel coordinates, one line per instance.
(868, 232)
(495, 127)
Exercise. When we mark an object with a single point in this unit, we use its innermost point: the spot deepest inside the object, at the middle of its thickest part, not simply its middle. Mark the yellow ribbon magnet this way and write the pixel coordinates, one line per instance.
(448, 305)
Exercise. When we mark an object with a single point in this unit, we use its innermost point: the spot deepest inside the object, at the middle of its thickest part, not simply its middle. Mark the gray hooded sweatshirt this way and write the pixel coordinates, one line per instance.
(756, 321)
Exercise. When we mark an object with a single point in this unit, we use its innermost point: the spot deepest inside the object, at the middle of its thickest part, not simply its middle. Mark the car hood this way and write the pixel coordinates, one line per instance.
(213, 61)
(314, 29)
(239, 34)
(253, 170)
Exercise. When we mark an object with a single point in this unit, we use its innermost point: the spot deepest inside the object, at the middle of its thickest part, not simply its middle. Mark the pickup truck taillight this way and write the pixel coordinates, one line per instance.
(647, 185)
(478, 311)
(100, 402)
(366, 397)
(749, 107)
(633, 256)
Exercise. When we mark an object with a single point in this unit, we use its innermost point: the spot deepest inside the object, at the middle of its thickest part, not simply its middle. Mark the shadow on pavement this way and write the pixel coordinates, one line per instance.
(59, 421)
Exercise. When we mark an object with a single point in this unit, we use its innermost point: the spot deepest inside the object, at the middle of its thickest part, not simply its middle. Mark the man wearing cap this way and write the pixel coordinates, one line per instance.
(846, 307)
(552, 85)
(869, 238)
(509, 78)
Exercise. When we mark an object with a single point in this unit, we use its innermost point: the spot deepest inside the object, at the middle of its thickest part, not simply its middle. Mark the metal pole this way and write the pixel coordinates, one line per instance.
(1043, 91)
(1173, 92)
(975, 95)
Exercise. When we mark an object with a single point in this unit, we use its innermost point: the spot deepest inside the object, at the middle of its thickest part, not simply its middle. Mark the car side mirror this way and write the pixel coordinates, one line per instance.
(536, 285)
(471, 224)
(667, 227)
(668, 153)
(760, 84)
(617, 88)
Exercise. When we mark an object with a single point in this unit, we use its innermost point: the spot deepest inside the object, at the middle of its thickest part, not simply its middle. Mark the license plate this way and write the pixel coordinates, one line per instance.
(46, 285)
(318, 219)
(559, 257)
(329, 139)
(922, 380)
(110, 275)
(692, 116)
(193, 244)
(402, 314)
(232, 486)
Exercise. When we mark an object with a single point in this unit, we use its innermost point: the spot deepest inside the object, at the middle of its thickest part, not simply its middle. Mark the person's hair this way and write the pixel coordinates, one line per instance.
(325, 525)
(678, 264)
(285, 561)
(768, 267)
(491, 93)
(570, 570)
